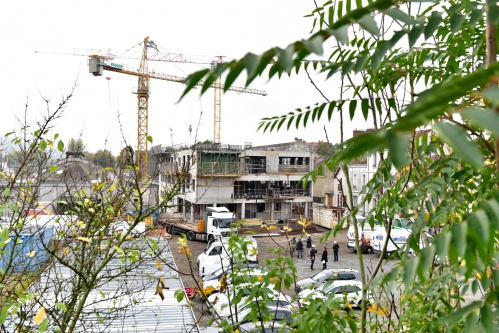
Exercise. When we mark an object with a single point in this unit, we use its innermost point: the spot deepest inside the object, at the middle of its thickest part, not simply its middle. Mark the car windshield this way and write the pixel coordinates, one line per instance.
(319, 276)
(224, 223)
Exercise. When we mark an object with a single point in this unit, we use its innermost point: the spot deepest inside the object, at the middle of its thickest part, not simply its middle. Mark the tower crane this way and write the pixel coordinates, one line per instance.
(100, 60)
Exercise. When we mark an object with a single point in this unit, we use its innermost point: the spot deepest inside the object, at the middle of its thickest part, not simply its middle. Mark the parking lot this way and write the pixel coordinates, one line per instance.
(347, 259)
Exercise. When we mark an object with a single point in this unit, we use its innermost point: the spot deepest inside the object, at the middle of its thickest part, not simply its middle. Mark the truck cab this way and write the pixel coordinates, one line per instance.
(218, 221)
(216, 256)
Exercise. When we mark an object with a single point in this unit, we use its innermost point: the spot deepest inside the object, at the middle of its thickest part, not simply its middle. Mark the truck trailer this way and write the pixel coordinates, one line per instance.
(216, 224)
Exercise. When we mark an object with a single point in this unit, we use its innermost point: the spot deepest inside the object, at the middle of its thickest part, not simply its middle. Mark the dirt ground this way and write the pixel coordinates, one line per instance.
(347, 259)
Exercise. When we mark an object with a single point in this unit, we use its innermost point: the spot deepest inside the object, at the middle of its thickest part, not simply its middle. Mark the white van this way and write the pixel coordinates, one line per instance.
(367, 231)
(399, 236)
(215, 256)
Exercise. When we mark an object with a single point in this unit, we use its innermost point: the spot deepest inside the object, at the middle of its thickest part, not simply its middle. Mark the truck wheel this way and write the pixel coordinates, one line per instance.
(191, 236)
(211, 238)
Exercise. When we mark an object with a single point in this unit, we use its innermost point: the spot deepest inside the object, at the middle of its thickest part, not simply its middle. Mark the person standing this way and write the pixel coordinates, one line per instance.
(292, 246)
(309, 242)
(336, 247)
(324, 258)
(313, 252)
(299, 249)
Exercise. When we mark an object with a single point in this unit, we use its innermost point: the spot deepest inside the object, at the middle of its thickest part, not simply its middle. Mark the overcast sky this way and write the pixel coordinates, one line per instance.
(218, 27)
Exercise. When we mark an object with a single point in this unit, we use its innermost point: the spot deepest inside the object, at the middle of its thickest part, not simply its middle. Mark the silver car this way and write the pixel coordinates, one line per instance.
(333, 274)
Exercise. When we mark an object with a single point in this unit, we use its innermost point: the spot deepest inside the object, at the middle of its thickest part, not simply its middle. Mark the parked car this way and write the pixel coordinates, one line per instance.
(216, 275)
(220, 301)
(272, 327)
(323, 276)
(348, 291)
(277, 313)
(245, 272)
(216, 256)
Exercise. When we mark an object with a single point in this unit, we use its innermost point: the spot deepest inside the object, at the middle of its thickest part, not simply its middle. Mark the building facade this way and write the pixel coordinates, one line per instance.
(253, 183)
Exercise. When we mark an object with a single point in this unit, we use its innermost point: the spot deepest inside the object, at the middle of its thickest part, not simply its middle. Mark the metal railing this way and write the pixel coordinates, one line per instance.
(226, 168)
(270, 193)
(293, 168)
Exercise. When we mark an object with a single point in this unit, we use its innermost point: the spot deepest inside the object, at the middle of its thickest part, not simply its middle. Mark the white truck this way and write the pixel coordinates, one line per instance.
(369, 233)
(400, 236)
(216, 256)
(217, 224)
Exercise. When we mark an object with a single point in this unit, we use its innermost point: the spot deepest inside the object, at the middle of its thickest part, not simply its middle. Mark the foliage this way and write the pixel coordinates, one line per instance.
(125, 157)
(425, 75)
(103, 158)
(325, 149)
(76, 145)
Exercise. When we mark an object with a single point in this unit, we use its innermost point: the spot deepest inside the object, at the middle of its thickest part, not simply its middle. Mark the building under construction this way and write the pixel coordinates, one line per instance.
(252, 183)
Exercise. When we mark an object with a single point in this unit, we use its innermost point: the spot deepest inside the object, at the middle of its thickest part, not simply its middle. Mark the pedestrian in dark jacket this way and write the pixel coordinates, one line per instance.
(309, 242)
(299, 249)
(313, 252)
(324, 258)
(336, 247)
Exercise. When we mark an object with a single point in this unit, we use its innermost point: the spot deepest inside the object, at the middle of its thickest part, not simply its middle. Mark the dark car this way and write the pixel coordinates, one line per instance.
(216, 275)
(328, 275)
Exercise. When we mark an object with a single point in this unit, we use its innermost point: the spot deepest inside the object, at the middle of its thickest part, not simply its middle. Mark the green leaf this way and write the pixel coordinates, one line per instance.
(149, 138)
(456, 138)
(251, 60)
(53, 168)
(352, 107)
(456, 21)
(398, 143)
(359, 65)
(61, 306)
(368, 23)
(479, 222)
(487, 318)
(396, 37)
(410, 271)
(43, 325)
(43, 145)
(193, 80)
(179, 295)
(493, 13)
(330, 110)
(314, 45)
(381, 49)
(442, 242)
(427, 256)
(492, 95)
(414, 34)
(484, 119)
(378, 105)
(365, 108)
(433, 23)
(399, 15)
(341, 34)
(475, 17)
(60, 146)
(459, 232)
(285, 57)
(234, 72)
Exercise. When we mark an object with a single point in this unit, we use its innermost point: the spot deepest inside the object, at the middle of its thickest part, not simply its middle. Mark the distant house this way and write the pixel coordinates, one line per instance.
(331, 188)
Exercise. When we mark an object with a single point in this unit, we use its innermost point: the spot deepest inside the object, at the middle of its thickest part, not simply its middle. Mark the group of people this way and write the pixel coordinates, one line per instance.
(298, 246)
